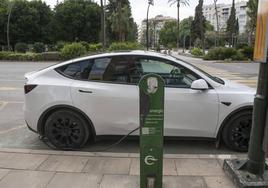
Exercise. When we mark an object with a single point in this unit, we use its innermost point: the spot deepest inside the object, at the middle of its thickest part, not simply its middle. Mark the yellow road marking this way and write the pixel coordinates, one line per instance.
(2, 105)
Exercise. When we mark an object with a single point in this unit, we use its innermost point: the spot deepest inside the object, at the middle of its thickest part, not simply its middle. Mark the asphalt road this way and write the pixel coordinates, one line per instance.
(15, 134)
(245, 69)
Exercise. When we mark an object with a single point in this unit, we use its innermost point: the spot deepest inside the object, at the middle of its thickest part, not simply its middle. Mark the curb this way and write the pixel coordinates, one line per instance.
(118, 155)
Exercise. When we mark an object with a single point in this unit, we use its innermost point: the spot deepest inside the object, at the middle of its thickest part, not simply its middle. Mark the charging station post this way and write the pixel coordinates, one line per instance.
(151, 130)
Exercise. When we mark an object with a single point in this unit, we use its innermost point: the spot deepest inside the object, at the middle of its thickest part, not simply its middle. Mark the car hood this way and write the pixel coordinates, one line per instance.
(231, 86)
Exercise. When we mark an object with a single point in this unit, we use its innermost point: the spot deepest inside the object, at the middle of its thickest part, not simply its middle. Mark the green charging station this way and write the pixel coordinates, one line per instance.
(151, 130)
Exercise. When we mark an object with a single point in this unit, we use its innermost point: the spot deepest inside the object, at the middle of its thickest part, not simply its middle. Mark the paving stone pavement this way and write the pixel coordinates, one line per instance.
(56, 169)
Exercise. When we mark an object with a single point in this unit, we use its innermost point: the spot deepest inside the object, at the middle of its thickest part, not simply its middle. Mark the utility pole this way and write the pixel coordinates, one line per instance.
(150, 2)
(10, 6)
(253, 172)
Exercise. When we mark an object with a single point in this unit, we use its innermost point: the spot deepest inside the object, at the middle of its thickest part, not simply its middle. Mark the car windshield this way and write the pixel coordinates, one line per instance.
(214, 78)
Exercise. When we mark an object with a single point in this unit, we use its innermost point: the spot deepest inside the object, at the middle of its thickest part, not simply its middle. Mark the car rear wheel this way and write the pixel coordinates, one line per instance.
(66, 129)
(236, 133)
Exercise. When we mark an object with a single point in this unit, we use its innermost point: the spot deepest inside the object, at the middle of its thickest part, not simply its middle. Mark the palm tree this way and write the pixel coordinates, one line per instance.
(10, 6)
(120, 21)
(179, 3)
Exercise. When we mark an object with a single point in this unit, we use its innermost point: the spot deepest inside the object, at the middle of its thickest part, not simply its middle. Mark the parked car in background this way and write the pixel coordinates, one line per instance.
(77, 100)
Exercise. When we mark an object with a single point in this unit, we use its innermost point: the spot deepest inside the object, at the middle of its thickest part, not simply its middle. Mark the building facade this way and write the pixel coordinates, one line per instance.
(156, 24)
(224, 11)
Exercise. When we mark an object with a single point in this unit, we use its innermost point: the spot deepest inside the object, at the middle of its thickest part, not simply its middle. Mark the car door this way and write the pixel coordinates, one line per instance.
(107, 95)
(188, 112)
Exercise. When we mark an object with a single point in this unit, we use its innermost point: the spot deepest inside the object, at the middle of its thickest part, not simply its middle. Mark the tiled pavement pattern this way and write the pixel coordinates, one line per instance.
(56, 169)
(248, 80)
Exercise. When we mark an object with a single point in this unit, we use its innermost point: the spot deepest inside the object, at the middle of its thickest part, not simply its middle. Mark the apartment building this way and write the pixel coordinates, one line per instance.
(224, 11)
(156, 24)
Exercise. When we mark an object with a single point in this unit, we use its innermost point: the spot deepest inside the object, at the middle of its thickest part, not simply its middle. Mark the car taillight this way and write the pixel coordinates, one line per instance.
(28, 88)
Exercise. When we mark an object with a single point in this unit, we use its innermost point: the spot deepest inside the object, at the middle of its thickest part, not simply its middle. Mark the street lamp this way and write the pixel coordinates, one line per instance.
(150, 2)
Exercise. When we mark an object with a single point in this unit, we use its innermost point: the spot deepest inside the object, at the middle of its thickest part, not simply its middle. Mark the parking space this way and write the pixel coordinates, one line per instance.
(15, 134)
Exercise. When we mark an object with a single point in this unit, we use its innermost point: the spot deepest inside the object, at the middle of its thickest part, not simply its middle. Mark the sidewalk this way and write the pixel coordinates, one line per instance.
(23, 168)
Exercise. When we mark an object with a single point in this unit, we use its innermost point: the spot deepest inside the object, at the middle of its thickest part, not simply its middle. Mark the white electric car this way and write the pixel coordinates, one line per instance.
(77, 100)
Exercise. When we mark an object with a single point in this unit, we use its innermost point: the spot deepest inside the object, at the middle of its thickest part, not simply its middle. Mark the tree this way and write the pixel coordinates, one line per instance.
(198, 25)
(132, 34)
(168, 33)
(29, 21)
(185, 31)
(178, 2)
(210, 35)
(120, 24)
(44, 16)
(252, 12)
(77, 20)
(232, 24)
(3, 21)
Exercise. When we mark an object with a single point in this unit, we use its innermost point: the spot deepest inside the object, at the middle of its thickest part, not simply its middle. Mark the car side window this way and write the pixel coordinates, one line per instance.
(98, 69)
(115, 69)
(173, 74)
(77, 70)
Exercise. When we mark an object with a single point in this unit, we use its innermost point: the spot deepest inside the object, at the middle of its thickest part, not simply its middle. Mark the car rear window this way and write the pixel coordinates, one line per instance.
(77, 70)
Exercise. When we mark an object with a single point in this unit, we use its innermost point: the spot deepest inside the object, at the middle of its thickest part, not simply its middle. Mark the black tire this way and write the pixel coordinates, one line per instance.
(67, 130)
(236, 132)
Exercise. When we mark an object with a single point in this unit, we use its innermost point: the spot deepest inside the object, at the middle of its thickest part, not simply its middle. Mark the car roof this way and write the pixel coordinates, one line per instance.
(117, 53)
(120, 53)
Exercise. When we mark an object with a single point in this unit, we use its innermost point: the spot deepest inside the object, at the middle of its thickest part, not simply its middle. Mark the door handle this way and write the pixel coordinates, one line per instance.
(84, 91)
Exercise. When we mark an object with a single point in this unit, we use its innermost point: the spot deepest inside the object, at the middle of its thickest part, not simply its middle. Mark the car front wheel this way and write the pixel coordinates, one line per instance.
(236, 133)
(66, 129)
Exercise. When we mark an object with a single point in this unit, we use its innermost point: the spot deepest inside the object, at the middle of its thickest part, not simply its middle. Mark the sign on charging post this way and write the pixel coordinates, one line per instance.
(151, 131)
(261, 41)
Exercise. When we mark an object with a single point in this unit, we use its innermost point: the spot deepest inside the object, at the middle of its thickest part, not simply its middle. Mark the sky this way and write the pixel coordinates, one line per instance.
(139, 8)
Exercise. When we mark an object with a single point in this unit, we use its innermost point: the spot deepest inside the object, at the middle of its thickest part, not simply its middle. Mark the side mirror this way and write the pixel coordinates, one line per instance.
(200, 84)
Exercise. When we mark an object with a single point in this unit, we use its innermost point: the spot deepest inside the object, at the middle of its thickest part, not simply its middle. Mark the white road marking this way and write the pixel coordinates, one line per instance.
(12, 102)
(12, 129)
(9, 88)
(18, 80)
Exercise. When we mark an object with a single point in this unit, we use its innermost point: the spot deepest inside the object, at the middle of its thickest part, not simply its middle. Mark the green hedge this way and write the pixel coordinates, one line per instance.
(222, 53)
(68, 51)
(73, 50)
(50, 56)
(94, 47)
(46, 56)
(247, 51)
(125, 46)
(197, 52)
